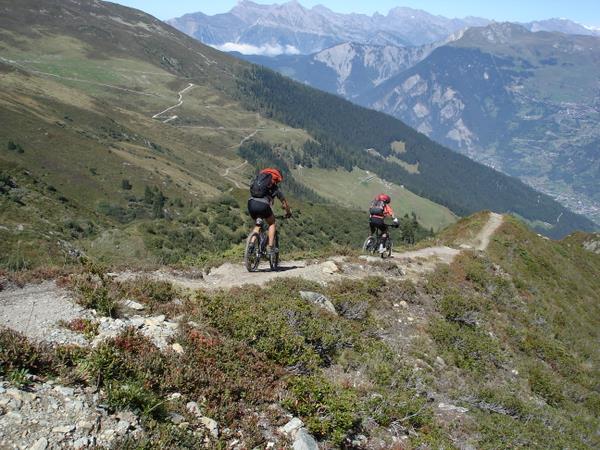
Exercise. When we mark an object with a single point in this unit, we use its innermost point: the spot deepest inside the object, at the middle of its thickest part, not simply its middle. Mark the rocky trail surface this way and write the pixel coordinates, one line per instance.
(48, 415)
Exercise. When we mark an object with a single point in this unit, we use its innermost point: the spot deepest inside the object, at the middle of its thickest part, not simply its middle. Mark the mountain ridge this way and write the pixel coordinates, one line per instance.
(292, 28)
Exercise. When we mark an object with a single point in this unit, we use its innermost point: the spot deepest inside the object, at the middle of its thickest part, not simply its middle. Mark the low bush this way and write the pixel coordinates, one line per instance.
(95, 290)
(545, 384)
(327, 409)
(87, 327)
(469, 348)
(19, 357)
(148, 291)
(132, 394)
(277, 322)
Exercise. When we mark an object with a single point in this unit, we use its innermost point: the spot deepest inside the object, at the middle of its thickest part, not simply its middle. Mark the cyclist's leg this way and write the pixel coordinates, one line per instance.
(384, 233)
(272, 228)
(258, 211)
(257, 227)
(372, 227)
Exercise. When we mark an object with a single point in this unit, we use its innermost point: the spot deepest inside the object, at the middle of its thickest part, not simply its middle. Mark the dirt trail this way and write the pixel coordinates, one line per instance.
(234, 275)
(482, 240)
(412, 265)
(36, 309)
(229, 169)
(177, 105)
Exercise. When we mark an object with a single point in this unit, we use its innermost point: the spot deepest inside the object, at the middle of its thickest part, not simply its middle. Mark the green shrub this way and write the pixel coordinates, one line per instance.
(95, 291)
(15, 261)
(402, 406)
(328, 410)
(19, 377)
(459, 308)
(149, 291)
(501, 400)
(276, 321)
(103, 364)
(544, 383)
(18, 355)
(96, 297)
(469, 348)
(131, 394)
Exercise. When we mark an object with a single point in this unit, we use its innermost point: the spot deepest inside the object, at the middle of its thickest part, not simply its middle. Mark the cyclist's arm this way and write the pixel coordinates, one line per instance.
(284, 202)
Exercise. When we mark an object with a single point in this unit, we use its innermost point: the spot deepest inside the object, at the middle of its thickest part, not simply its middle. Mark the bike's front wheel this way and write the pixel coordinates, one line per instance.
(388, 249)
(252, 252)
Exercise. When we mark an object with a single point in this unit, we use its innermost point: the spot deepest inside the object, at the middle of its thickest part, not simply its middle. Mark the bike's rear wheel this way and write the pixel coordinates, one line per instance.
(252, 252)
(369, 245)
(274, 256)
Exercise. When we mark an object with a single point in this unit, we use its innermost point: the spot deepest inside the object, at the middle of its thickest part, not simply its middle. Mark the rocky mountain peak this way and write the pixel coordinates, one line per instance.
(496, 32)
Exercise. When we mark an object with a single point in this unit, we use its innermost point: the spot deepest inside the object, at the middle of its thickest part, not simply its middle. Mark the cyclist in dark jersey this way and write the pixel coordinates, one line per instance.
(260, 208)
(377, 219)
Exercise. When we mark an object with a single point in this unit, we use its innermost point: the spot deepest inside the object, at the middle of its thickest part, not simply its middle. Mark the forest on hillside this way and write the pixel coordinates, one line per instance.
(344, 131)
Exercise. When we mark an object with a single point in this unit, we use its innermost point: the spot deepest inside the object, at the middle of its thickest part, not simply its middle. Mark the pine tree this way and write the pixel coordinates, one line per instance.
(158, 205)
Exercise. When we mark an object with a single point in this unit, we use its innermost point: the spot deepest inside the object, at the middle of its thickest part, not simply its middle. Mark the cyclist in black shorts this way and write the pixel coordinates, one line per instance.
(263, 191)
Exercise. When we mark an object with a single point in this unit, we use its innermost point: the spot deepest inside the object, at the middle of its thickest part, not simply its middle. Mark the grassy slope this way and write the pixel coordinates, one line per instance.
(356, 189)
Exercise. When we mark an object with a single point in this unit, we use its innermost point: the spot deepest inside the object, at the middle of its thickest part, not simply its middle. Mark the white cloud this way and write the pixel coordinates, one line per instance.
(265, 50)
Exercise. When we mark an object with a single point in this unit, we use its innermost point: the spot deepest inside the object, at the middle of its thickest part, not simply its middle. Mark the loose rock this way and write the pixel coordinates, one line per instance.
(131, 304)
(319, 300)
(177, 348)
(194, 409)
(40, 444)
(304, 441)
(329, 267)
(292, 427)
(452, 408)
(211, 425)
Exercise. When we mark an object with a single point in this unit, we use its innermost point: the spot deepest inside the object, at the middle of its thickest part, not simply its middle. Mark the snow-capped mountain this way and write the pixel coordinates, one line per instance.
(562, 26)
(290, 28)
(293, 28)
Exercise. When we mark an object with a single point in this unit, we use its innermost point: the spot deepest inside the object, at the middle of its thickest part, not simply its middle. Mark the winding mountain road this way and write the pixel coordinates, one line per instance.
(179, 103)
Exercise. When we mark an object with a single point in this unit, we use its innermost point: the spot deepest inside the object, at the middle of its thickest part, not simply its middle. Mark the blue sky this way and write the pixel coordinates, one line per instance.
(583, 11)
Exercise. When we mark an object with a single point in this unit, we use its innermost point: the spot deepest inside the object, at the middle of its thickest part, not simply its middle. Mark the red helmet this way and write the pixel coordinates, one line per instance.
(384, 198)
(275, 174)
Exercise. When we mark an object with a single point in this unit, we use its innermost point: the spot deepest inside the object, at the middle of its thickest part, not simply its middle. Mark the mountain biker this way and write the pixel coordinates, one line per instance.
(380, 209)
(263, 190)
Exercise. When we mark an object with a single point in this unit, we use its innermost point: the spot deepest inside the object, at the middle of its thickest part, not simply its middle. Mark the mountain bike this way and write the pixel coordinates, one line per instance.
(256, 247)
(373, 242)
